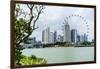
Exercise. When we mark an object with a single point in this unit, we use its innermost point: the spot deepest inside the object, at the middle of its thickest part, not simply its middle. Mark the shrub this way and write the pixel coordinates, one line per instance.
(32, 60)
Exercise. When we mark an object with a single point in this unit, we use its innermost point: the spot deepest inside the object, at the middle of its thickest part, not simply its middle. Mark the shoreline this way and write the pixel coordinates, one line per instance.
(62, 47)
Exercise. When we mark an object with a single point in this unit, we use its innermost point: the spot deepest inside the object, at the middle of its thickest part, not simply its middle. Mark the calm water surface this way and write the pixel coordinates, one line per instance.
(62, 54)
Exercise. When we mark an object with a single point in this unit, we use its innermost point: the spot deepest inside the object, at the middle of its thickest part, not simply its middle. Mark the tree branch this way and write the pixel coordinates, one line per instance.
(30, 21)
(39, 12)
(24, 38)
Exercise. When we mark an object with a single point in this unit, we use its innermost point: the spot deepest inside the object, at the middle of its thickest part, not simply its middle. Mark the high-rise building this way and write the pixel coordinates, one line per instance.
(67, 33)
(51, 39)
(60, 38)
(83, 38)
(46, 35)
(43, 36)
(78, 38)
(74, 35)
(34, 40)
(55, 36)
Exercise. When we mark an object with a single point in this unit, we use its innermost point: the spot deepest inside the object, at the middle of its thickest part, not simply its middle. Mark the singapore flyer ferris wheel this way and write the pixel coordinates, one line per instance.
(79, 23)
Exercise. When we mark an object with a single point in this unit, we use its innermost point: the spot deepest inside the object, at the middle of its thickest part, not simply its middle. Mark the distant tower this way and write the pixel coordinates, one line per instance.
(51, 39)
(84, 37)
(60, 38)
(34, 40)
(43, 36)
(78, 38)
(46, 35)
(74, 35)
(81, 38)
(67, 33)
(55, 36)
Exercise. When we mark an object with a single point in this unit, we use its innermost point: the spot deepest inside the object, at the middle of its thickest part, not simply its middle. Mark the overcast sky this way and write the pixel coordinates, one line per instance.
(81, 19)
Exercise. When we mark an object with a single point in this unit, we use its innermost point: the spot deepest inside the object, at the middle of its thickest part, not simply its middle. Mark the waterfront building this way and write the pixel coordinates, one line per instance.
(60, 38)
(67, 33)
(46, 35)
(33, 41)
(55, 36)
(83, 38)
(78, 38)
(51, 37)
(74, 35)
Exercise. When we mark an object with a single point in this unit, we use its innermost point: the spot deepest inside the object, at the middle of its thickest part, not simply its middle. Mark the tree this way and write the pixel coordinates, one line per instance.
(86, 43)
(24, 25)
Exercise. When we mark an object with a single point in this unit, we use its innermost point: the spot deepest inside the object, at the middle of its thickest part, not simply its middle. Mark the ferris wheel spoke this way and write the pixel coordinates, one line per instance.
(82, 21)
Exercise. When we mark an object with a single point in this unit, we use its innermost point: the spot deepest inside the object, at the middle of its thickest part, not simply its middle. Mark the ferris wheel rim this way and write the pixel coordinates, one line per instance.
(83, 18)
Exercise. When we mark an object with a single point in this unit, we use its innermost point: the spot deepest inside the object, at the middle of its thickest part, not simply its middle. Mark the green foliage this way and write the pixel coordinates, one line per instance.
(23, 29)
(20, 29)
(32, 60)
(86, 43)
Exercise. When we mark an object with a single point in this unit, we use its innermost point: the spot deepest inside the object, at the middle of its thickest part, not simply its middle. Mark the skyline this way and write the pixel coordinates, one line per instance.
(55, 21)
(54, 17)
(74, 36)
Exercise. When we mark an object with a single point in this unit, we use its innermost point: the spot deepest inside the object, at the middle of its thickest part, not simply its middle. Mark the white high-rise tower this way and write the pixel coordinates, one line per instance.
(67, 33)
(46, 35)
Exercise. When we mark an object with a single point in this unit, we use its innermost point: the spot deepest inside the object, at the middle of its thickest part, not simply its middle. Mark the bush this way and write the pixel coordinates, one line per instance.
(86, 43)
(32, 60)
